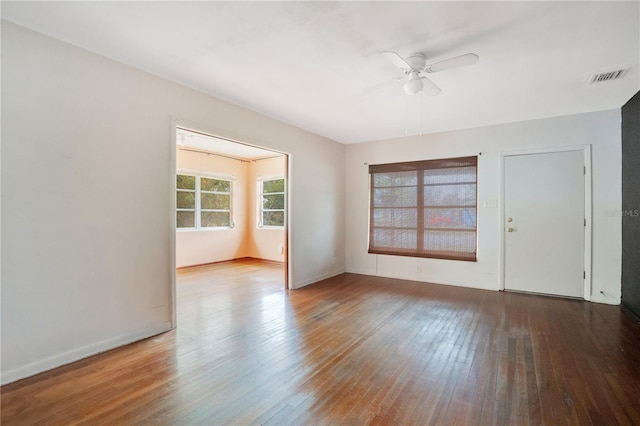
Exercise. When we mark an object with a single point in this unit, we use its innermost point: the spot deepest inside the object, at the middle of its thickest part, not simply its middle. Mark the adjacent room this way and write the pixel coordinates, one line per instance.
(320, 212)
(230, 202)
(230, 222)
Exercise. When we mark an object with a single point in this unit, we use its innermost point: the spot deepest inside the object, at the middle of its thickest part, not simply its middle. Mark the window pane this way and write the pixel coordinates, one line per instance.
(185, 182)
(186, 200)
(395, 197)
(273, 186)
(273, 218)
(215, 219)
(395, 238)
(216, 185)
(459, 218)
(424, 208)
(186, 219)
(452, 175)
(397, 217)
(215, 201)
(450, 195)
(273, 202)
(456, 241)
(395, 179)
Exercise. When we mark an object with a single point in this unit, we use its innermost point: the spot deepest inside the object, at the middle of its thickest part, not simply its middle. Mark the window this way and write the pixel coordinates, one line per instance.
(203, 202)
(186, 201)
(272, 203)
(424, 209)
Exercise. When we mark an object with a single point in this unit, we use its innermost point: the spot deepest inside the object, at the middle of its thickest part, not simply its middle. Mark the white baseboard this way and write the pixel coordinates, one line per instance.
(315, 279)
(361, 271)
(604, 299)
(423, 279)
(80, 353)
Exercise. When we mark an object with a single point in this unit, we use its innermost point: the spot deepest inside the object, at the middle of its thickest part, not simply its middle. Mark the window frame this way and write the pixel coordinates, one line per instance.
(261, 210)
(421, 206)
(198, 175)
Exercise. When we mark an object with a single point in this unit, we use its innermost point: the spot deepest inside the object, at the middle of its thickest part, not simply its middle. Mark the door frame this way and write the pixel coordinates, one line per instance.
(586, 151)
(181, 123)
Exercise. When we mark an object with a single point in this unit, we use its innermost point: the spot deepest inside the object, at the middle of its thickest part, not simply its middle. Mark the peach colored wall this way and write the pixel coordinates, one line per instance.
(264, 243)
(199, 247)
(245, 239)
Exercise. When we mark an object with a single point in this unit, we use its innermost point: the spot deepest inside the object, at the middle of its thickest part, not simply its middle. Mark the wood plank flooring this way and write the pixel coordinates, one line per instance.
(351, 350)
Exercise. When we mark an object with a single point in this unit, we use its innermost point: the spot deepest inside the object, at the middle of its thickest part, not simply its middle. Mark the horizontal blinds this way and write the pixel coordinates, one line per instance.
(424, 208)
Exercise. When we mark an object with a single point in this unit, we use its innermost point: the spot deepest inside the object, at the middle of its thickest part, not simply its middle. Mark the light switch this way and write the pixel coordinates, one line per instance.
(491, 203)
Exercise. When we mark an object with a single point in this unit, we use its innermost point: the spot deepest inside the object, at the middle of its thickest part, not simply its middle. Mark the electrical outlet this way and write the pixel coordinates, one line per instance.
(418, 268)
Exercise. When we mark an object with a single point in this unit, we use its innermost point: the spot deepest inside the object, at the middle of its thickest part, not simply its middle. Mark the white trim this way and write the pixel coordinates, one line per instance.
(80, 353)
(604, 299)
(207, 229)
(316, 279)
(260, 180)
(586, 149)
(289, 228)
(270, 177)
(173, 204)
(206, 174)
(198, 191)
(588, 230)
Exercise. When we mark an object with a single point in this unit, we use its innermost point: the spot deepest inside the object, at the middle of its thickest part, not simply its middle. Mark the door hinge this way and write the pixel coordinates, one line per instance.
(585, 221)
(584, 170)
(584, 275)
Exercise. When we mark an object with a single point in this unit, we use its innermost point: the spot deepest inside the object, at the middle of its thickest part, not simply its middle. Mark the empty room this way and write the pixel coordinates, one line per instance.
(320, 212)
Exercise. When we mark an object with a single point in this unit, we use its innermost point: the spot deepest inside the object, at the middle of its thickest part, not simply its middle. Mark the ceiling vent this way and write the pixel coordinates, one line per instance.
(608, 76)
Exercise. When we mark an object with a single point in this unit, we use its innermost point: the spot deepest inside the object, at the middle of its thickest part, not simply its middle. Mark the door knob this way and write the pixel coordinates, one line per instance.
(509, 229)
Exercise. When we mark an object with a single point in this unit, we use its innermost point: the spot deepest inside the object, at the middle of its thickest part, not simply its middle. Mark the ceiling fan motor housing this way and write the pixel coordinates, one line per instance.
(417, 61)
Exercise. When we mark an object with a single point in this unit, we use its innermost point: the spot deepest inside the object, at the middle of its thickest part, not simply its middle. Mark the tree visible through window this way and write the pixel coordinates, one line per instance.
(215, 203)
(273, 201)
(424, 209)
(203, 202)
(186, 201)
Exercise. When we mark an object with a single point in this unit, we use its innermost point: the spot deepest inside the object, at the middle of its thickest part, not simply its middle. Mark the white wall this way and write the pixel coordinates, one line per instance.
(216, 245)
(87, 172)
(264, 243)
(601, 130)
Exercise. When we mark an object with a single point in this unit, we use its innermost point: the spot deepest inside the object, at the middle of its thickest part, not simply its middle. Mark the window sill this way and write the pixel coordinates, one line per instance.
(187, 230)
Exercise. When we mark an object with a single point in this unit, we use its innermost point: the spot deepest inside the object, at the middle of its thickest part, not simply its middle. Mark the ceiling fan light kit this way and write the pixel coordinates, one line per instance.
(413, 85)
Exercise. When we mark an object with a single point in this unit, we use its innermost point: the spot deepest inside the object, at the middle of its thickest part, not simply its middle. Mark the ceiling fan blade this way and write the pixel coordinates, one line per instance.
(397, 60)
(381, 85)
(428, 87)
(458, 61)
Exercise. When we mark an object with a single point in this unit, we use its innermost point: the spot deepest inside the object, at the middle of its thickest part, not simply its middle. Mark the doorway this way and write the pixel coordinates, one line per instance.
(230, 205)
(545, 223)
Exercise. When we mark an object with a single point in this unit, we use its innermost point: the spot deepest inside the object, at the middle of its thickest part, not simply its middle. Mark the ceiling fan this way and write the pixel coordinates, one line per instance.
(415, 68)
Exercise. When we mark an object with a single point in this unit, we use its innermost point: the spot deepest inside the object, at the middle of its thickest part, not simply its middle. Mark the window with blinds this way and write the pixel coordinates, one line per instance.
(424, 208)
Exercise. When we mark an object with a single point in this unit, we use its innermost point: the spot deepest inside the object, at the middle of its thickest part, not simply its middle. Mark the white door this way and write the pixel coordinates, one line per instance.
(545, 223)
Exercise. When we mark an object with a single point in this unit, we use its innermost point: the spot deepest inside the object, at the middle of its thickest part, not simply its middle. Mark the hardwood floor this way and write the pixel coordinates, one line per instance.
(351, 350)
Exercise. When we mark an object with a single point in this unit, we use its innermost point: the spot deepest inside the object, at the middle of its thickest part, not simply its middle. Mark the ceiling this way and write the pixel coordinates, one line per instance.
(309, 63)
(206, 144)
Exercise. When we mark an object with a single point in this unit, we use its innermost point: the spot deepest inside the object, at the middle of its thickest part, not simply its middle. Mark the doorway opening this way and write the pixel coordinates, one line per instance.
(230, 207)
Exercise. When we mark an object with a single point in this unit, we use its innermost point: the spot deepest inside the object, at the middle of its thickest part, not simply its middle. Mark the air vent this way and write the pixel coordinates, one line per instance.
(608, 76)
